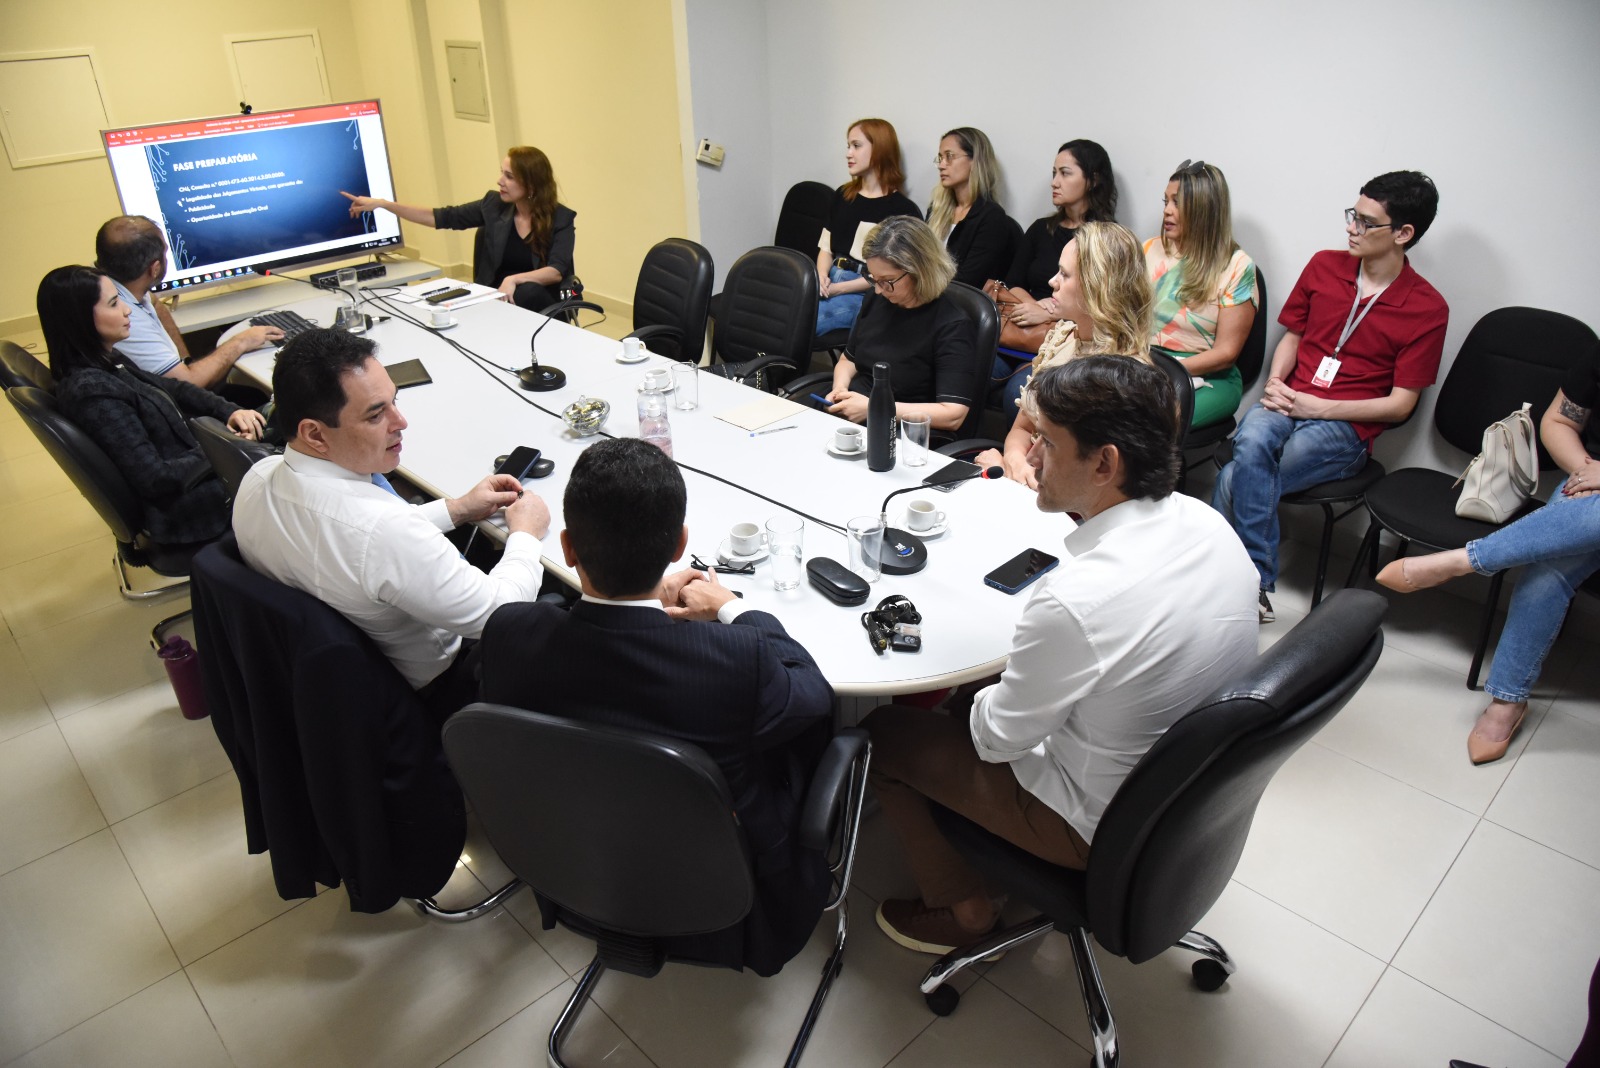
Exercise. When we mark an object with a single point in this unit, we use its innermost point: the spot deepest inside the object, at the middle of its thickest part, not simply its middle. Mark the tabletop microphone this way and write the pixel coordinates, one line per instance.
(542, 379)
(903, 552)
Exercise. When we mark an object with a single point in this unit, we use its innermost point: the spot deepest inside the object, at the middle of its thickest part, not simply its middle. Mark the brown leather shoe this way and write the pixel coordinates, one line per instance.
(1483, 751)
(917, 927)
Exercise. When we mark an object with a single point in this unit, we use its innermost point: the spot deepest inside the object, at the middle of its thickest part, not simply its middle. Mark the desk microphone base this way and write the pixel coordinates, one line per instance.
(903, 553)
(541, 379)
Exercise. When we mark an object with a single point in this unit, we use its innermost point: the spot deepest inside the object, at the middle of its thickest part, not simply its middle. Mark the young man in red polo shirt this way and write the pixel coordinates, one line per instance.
(1365, 333)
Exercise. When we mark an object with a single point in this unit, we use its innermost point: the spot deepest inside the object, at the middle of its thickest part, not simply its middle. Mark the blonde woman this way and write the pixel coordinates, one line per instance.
(907, 322)
(1205, 288)
(1104, 298)
(963, 213)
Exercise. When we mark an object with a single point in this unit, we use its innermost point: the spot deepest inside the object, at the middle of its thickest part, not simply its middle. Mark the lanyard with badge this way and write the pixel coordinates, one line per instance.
(1329, 367)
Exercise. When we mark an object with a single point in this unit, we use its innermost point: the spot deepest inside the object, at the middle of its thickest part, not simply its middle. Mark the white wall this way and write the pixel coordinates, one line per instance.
(1298, 103)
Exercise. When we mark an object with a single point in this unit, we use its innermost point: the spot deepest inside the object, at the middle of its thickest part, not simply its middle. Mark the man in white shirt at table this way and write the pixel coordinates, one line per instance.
(323, 518)
(1150, 609)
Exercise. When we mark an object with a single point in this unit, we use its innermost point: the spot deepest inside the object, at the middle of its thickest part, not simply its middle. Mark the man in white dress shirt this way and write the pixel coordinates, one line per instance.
(322, 518)
(1150, 609)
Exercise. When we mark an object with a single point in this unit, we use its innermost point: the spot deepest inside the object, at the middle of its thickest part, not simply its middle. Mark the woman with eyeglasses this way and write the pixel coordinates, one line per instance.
(908, 323)
(139, 419)
(1082, 189)
(963, 213)
(1205, 288)
(1103, 296)
(525, 235)
(877, 174)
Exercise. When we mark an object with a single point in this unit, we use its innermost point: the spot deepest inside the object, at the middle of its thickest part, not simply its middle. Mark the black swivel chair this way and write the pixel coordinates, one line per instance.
(341, 773)
(107, 491)
(19, 367)
(1184, 388)
(1170, 839)
(800, 222)
(1511, 356)
(230, 455)
(769, 316)
(631, 837)
(671, 298)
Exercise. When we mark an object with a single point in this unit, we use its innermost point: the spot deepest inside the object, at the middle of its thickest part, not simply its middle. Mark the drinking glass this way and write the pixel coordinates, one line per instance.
(686, 386)
(915, 429)
(866, 546)
(785, 541)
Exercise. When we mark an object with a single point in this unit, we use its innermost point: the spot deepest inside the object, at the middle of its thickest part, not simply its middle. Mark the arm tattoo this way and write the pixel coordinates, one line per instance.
(1574, 412)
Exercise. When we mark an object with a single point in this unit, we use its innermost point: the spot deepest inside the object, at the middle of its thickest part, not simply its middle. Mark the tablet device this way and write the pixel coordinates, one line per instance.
(408, 373)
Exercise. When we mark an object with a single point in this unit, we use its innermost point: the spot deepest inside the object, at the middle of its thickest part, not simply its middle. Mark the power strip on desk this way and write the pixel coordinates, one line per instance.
(364, 273)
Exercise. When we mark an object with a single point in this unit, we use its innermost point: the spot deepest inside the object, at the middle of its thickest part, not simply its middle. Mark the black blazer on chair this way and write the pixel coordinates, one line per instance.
(745, 692)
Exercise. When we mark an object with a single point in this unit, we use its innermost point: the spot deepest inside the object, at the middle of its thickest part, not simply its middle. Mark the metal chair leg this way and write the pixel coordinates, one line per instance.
(158, 633)
(830, 971)
(1323, 552)
(1482, 648)
(1095, 1004)
(569, 1013)
(1209, 948)
(428, 908)
(962, 957)
(125, 587)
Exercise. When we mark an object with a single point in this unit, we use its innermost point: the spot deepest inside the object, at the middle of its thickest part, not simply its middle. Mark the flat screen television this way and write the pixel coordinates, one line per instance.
(250, 194)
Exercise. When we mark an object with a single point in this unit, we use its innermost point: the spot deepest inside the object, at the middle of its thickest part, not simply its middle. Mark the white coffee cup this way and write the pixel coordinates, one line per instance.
(660, 378)
(847, 439)
(745, 539)
(632, 348)
(442, 317)
(922, 515)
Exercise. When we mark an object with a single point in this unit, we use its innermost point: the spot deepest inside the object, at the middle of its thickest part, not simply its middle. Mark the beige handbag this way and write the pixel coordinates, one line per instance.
(1501, 477)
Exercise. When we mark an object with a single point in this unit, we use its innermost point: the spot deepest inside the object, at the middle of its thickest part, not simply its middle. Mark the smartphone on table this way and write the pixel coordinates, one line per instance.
(1020, 570)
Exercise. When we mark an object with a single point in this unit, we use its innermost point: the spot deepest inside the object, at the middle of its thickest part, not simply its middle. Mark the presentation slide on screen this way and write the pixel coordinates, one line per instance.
(237, 193)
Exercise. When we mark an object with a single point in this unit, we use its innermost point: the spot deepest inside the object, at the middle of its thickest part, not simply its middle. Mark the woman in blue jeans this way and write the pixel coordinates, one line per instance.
(1559, 547)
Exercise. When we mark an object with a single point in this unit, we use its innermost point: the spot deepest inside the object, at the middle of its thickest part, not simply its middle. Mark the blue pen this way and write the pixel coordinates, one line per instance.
(821, 400)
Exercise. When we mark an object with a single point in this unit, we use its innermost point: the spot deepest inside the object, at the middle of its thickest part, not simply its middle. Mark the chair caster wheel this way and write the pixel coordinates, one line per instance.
(1208, 974)
(943, 1000)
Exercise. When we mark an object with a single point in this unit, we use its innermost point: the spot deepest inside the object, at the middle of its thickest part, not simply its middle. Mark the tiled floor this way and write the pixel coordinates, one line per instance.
(1394, 907)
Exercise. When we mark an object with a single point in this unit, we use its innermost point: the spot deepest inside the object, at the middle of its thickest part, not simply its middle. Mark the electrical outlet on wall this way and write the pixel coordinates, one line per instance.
(710, 154)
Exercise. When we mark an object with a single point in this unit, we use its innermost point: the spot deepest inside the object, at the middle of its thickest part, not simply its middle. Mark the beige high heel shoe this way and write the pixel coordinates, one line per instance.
(1483, 751)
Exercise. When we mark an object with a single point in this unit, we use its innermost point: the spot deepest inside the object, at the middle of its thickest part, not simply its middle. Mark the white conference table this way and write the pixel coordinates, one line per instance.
(466, 417)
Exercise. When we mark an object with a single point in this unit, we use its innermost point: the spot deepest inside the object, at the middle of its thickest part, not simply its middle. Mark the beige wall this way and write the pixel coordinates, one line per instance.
(593, 84)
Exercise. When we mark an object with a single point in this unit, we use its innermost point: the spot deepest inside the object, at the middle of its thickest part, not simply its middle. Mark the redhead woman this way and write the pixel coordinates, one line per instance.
(964, 214)
(525, 235)
(877, 174)
(1205, 288)
(136, 417)
(1104, 299)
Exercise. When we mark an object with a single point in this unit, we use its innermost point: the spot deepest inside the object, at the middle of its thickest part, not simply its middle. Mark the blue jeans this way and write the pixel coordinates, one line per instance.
(1558, 546)
(1274, 454)
(1006, 379)
(838, 313)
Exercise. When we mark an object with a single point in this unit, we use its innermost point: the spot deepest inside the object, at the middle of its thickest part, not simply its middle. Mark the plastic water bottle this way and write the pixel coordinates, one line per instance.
(654, 424)
(882, 426)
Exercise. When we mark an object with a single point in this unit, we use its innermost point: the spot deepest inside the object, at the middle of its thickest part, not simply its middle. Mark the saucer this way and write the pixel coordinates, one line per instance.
(643, 356)
(668, 388)
(726, 554)
(834, 450)
(904, 523)
(445, 326)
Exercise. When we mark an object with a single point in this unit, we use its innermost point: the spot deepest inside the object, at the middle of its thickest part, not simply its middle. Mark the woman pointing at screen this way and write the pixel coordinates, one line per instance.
(525, 237)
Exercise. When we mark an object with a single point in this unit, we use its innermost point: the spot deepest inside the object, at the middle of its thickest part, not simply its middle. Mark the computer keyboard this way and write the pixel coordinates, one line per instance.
(291, 323)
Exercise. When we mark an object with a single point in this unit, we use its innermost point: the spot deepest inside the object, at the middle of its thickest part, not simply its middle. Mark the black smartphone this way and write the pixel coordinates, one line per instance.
(408, 373)
(519, 463)
(1020, 570)
(951, 475)
(449, 294)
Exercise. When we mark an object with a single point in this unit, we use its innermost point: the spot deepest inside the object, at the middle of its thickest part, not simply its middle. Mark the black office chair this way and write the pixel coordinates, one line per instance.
(1512, 356)
(1206, 440)
(629, 838)
(986, 323)
(229, 454)
(107, 491)
(769, 316)
(800, 222)
(1184, 388)
(1170, 838)
(19, 367)
(341, 772)
(671, 298)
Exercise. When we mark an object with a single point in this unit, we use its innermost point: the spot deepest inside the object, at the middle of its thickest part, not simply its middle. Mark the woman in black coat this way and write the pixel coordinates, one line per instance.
(139, 419)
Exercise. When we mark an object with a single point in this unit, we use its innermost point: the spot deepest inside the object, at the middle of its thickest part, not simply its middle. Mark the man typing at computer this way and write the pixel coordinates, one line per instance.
(132, 250)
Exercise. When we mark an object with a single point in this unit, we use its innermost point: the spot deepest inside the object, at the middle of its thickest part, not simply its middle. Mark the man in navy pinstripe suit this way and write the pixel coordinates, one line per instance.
(677, 655)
